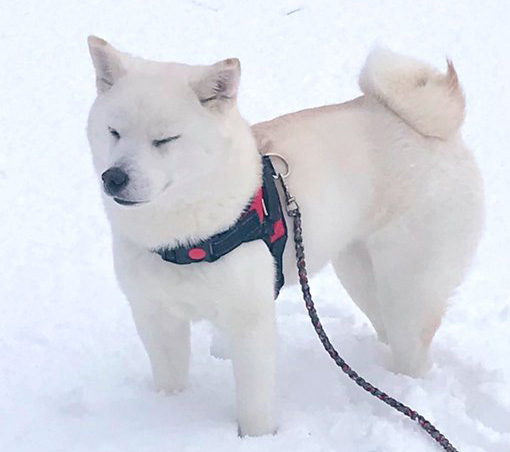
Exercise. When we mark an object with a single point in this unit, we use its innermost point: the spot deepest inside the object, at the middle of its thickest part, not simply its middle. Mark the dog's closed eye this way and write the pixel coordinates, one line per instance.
(114, 133)
(158, 143)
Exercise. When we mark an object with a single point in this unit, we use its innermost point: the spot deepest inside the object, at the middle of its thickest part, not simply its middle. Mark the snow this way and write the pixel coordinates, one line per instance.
(73, 374)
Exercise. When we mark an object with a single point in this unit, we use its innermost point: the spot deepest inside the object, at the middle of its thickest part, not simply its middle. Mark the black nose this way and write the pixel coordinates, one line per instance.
(114, 180)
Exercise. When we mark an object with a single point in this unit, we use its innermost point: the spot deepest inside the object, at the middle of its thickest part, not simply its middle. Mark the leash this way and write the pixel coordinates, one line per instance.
(294, 212)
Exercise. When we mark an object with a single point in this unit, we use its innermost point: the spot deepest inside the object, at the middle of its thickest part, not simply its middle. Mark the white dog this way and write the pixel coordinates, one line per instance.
(388, 193)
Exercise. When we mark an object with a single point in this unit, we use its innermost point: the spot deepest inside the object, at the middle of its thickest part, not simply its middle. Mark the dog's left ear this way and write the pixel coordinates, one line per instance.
(217, 87)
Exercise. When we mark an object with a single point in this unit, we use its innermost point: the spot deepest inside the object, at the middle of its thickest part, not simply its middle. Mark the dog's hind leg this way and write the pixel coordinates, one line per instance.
(354, 268)
(167, 342)
(417, 266)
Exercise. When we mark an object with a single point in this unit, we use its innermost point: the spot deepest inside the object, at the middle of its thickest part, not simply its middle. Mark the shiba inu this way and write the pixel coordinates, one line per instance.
(389, 194)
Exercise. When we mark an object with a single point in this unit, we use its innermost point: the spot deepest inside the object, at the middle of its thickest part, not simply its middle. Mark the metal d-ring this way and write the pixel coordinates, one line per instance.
(282, 158)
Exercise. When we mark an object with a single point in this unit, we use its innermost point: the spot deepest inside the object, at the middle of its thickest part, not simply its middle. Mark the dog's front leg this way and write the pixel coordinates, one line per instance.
(167, 341)
(254, 363)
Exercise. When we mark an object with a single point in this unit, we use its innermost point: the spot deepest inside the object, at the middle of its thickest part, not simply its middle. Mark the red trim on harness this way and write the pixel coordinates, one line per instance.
(278, 231)
(258, 204)
(197, 254)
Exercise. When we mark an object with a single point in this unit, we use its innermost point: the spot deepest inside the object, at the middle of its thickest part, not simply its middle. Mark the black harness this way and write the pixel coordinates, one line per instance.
(261, 220)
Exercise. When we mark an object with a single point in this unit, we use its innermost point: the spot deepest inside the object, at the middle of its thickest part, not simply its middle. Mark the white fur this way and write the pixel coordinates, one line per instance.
(398, 213)
(431, 102)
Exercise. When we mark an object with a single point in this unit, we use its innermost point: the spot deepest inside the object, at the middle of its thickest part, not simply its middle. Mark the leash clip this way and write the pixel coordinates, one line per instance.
(292, 206)
(291, 203)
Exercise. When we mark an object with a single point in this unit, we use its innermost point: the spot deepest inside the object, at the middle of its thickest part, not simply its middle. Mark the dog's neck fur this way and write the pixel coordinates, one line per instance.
(229, 191)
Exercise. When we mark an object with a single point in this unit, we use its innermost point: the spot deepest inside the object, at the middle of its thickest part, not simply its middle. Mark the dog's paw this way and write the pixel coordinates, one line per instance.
(412, 369)
(169, 387)
(241, 433)
(169, 391)
(258, 426)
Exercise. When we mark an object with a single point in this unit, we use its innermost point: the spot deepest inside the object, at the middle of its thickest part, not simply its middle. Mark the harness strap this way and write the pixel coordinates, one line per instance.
(262, 220)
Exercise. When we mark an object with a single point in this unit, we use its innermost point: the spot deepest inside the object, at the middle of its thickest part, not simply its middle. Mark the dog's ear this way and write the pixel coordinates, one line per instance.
(107, 63)
(218, 85)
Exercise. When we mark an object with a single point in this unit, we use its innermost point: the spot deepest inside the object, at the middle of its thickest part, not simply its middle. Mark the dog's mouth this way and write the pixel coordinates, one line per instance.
(129, 203)
(125, 202)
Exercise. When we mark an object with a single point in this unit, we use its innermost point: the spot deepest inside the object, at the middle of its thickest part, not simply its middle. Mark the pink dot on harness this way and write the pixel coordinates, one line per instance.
(196, 254)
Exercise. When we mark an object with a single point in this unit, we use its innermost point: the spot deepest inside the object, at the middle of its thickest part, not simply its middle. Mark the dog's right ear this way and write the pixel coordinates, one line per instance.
(107, 63)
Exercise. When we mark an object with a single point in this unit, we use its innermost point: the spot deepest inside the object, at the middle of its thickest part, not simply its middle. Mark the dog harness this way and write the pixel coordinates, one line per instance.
(262, 220)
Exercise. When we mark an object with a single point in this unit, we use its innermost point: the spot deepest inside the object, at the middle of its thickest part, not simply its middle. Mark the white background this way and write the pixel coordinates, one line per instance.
(73, 374)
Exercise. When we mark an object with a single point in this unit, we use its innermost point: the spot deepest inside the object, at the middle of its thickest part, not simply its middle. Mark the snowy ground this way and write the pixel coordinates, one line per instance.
(73, 374)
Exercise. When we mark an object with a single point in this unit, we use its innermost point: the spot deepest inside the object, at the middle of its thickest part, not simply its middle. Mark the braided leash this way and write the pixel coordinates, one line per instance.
(295, 214)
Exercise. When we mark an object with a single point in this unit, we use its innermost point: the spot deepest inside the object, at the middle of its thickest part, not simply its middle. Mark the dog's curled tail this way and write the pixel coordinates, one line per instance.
(429, 101)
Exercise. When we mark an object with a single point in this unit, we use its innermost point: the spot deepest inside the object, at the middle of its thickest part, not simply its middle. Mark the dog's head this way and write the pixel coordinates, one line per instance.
(159, 130)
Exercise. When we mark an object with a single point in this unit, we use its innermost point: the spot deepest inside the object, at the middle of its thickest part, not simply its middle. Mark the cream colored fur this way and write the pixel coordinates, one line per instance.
(429, 101)
(388, 192)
